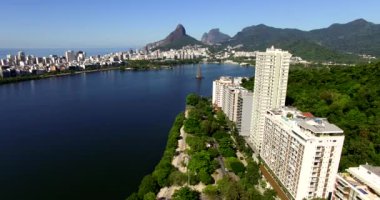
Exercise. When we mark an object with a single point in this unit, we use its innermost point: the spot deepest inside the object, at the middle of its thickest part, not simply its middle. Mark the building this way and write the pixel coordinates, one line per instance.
(271, 79)
(358, 183)
(244, 112)
(218, 88)
(234, 100)
(70, 56)
(302, 152)
(21, 56)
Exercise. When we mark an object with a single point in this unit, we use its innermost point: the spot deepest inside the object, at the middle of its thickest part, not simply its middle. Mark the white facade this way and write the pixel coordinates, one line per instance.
(70, 56)
(358, 183)
(235, 101)
(244, 111)
(271, 79)
(218, 88)
(303, 152)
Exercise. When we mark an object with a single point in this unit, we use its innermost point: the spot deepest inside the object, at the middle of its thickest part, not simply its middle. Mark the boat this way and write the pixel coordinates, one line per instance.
(199, 72)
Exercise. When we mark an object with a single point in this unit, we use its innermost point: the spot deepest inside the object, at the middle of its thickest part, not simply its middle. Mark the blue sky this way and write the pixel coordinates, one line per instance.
(133, 23)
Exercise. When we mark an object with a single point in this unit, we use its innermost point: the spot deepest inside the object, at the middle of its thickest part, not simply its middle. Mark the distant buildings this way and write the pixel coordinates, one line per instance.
(70, 56)
(302, 152)
(234, 100)
(271, 79)
(358, 183)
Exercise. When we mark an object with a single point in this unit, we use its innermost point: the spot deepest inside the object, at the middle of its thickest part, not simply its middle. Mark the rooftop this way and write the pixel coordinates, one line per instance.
(365, 179)
(306, 122)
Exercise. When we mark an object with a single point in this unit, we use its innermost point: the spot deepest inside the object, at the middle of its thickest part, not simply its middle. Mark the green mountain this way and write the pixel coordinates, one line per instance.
(339, 42)
(359, 36)
(175, 40)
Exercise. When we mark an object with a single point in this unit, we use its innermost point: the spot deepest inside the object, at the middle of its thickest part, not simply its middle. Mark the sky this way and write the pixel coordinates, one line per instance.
(133, 23)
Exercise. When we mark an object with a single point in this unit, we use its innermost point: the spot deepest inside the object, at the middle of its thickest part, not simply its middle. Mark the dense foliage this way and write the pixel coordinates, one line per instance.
(349, 96)
(186, 193)
(337, 43)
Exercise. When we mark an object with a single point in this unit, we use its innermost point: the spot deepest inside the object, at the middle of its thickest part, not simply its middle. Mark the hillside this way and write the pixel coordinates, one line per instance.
(339, 42)
(175, 40)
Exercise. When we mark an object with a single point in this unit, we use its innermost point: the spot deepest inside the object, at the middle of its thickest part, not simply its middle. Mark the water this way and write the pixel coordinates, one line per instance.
(92, 136)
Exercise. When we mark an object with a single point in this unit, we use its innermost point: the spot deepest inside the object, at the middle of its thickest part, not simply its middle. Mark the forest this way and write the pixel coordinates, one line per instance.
(348, 96)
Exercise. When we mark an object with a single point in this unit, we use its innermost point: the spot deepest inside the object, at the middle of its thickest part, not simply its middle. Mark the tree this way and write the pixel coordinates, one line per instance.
(185, 193)
(192, 99)
(150, 196)
(205, 177)
(177, 178)
(148, 184)
(211, 191)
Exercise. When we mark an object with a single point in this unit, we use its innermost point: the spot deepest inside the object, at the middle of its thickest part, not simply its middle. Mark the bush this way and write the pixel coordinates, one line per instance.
(205, 177)
(148, 184)
(210, 191)
(235, 166)
(150, 196)
(177, 178)
(185, 193)
(192, 99)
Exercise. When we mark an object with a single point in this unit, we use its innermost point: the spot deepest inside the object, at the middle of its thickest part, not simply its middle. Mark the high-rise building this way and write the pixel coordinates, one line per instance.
(70, 56)
(21, 56)
(358, 183)
(302, 151)
(271, 79)
(235, 101)
(81, 56)
(218, 88)
(244, 112)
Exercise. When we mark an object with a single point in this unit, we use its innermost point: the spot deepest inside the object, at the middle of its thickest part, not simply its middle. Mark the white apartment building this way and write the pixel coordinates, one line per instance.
(358, 183)
(70, 56)
(230, 98)
(235, 101)
(271, 80)
(218, 88)
(244, 110)
(302, 152)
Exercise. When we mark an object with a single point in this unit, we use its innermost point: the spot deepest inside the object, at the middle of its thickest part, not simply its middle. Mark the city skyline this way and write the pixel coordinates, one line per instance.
(85, 24)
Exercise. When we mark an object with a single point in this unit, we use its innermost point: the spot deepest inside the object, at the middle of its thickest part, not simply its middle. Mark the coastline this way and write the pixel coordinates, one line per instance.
(204, 160)
(140, 65)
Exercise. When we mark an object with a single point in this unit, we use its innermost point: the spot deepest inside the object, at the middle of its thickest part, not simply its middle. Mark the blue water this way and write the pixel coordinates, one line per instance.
(41, 52)
(91, 136)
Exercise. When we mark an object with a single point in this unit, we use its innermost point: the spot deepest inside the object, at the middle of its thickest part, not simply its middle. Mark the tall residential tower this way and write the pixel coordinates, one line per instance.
(271, 79)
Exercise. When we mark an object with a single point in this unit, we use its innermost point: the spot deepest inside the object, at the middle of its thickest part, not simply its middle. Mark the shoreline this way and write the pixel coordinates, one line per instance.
(134, 67)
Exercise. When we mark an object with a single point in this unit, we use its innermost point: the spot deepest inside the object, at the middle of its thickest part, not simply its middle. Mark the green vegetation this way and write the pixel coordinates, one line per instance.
(157, 64)
(186, 193)
(233, 164)
(349, 96)
(161, 174)
(179, 43)
(212, 139)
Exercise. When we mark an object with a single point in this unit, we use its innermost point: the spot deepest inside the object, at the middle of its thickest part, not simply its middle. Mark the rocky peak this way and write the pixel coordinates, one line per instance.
(214, 36)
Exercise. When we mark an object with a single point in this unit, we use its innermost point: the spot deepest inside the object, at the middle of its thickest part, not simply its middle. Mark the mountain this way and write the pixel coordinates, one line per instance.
(358, 36)
(214, 36)
(338, 42)
(175, 40)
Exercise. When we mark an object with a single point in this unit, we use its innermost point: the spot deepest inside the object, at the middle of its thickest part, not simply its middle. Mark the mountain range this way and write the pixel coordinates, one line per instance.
(338, 42)
(214, 36)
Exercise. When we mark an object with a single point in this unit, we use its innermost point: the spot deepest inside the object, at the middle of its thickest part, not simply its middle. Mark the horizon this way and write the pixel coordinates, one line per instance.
(40, 24)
